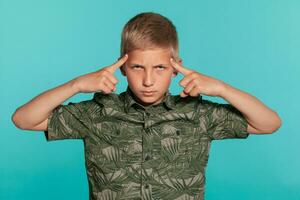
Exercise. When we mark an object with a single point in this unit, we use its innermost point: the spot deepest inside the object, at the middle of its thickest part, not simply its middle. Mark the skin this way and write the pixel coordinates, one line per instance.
(260, 118)
(34, 114)
(102, 80)
(144, 73)
(149, 70)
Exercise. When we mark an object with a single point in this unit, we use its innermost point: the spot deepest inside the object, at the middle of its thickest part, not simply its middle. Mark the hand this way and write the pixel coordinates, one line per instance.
(100, 80)
(195, 83)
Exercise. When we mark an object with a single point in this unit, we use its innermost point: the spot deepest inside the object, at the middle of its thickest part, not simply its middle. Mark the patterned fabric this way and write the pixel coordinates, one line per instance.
(154, 152)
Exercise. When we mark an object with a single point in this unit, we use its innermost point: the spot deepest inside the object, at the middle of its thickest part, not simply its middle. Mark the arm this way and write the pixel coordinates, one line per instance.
(34, 114)
(261, 119)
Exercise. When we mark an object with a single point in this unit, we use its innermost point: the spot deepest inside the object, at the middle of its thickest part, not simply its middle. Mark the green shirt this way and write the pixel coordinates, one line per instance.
(154, 152)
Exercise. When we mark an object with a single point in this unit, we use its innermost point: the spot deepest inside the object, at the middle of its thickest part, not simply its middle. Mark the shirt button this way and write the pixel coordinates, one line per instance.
(147, 130)
(147, 157)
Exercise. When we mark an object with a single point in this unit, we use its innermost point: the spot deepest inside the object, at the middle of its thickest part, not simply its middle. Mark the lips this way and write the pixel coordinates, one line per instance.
(148, 93)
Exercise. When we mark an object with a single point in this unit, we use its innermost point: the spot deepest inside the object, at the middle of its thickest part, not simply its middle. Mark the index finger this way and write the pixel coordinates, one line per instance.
(180, 68)
(118, 64)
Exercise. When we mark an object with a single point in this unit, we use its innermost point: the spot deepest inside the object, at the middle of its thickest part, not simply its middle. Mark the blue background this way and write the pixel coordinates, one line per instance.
(252, 45)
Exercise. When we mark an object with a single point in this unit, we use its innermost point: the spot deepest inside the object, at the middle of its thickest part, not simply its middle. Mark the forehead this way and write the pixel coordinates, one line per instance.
(149, 56)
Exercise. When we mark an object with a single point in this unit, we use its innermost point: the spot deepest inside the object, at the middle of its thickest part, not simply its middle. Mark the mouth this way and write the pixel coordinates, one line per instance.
(148, 93)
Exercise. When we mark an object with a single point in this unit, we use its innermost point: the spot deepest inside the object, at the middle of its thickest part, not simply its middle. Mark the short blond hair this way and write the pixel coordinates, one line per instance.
(148, 31)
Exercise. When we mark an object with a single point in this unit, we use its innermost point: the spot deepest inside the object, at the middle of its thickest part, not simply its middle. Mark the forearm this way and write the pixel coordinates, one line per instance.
(258, 115)
(38, 109)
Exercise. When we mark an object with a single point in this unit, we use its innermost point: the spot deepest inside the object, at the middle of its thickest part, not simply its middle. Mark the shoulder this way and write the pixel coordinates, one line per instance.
(185, 107)
(108, 100)
(188, 102)
(216, 110)
(205, 104)
(199, 105)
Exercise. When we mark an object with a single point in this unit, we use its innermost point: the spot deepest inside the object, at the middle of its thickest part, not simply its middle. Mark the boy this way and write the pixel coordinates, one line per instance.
(146, 143)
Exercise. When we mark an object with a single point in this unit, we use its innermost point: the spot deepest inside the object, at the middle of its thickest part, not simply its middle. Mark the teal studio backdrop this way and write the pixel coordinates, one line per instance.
(252, 45)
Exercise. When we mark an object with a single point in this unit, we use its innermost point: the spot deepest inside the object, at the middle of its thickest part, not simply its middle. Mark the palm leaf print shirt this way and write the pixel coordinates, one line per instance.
(145, 152)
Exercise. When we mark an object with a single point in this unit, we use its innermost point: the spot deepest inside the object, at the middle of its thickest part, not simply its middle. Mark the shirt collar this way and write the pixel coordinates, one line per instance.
(129, 100)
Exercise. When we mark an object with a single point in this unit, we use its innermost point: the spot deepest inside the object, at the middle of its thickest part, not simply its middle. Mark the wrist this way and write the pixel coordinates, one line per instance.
(223, 89)
(74, 86)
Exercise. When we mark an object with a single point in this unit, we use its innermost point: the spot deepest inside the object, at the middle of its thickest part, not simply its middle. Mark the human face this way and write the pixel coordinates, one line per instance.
(149, 74)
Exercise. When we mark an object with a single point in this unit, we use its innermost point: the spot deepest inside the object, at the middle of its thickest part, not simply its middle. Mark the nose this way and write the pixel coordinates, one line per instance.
(148, 79)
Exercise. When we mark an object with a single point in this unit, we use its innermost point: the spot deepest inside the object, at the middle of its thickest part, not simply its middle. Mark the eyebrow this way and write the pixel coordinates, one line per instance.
(133, 64)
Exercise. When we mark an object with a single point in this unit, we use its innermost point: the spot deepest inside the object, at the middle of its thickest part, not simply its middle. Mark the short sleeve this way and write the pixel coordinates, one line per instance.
(224, 121)
(68, 121)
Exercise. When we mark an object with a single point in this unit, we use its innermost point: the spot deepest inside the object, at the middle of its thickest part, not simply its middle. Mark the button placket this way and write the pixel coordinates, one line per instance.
(145, 116)
(145, 155)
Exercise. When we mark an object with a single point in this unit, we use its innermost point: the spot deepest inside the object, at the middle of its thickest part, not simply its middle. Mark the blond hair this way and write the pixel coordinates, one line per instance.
(148, 31)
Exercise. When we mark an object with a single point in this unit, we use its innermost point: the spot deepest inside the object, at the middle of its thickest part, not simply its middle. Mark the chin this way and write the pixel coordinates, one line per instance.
(148, 100)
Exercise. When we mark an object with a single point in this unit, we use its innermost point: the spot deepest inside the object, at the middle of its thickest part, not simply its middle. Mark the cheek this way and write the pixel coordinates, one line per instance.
(133, 78)
(164, 78)
(167, 73)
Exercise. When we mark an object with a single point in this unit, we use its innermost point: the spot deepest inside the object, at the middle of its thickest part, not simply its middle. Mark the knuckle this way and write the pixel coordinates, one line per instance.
(102, 78)
(193, 74)
(195, 82)
(106, 91)
(105, 71)
(114, 80)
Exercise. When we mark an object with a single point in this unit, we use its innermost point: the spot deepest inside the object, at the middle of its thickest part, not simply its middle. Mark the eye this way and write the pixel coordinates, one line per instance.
(136, 67)
(160, 67)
